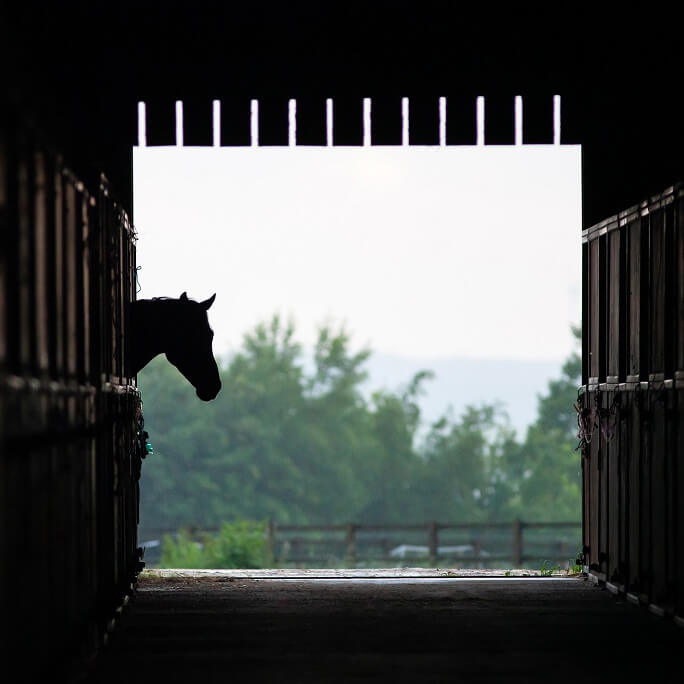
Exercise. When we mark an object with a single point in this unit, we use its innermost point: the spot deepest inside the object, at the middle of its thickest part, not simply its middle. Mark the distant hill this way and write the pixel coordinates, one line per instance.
(459, 382)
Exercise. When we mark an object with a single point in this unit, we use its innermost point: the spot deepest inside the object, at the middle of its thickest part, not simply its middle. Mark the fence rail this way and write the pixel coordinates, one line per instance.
(432, 542)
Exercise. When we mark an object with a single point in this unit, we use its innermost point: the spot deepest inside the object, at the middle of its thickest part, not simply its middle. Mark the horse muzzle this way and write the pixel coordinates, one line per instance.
(208, 395)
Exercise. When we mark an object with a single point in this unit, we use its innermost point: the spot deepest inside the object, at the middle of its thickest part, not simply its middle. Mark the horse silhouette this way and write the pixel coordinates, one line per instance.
(180, 329)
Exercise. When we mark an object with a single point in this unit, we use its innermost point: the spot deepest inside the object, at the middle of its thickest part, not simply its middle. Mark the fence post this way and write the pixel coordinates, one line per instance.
(351, 544)
(270, 541)
(476, 551)
(517, 543)
(433, 541)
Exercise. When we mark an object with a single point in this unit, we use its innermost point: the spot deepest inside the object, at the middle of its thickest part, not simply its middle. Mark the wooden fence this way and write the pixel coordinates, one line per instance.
(513, 544)
(632, 401)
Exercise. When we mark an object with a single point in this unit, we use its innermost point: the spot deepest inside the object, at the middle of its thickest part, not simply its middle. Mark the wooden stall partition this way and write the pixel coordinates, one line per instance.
(657, 522)
(644, 482)
(633, 289)
(4, 295)
(70, 523)
(4, 241)
(661, 286)
(672, 533)
(604, 436)
(597, 311)
(637, 313)
(615, 327)
(56, 305)
(621, 573)
(678, 453)
(613, 475)
(678, 279)
(71, 246)
(677, 427)
(40, 270)
(585, 435)
(593, 484)
(586, 320)
(24, 216)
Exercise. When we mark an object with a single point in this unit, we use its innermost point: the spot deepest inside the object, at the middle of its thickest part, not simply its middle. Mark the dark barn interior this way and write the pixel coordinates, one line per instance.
(71, 434)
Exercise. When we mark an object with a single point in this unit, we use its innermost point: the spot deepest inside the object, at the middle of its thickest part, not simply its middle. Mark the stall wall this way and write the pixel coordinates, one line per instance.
(631, 401)
(69, 413)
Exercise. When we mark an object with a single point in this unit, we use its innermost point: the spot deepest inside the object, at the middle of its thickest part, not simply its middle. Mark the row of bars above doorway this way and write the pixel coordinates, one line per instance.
(366, 118)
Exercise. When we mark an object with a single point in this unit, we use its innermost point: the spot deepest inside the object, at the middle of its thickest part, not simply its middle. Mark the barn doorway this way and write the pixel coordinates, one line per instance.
(359, 285)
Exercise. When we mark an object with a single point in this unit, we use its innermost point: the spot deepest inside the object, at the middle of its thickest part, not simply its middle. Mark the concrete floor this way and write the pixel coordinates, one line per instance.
(233, 626)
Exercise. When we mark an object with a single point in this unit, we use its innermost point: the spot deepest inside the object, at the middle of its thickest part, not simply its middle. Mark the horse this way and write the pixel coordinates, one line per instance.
(180, 329)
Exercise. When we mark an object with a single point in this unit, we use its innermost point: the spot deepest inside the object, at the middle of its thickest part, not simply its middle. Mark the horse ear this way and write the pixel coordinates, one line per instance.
(184, 297)
(208, 302)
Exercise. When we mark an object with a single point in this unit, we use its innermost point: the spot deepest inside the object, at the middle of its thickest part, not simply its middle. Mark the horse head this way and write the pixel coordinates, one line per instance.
(189, 346)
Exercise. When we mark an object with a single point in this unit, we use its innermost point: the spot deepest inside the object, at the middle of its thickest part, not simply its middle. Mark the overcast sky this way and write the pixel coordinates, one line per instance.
(429, 252)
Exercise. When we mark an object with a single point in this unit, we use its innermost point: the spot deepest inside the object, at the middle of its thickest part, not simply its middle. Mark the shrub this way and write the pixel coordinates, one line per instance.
(184, 552)
(240, 544)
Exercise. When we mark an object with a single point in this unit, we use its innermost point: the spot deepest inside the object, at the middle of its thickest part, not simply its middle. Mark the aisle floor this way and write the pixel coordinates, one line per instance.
(400, 626)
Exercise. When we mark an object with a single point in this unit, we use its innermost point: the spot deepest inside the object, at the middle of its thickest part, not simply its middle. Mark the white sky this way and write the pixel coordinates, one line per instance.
(429, 252)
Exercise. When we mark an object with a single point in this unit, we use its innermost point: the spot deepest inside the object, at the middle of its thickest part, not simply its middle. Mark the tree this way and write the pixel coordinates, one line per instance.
(545, 472)
(306, 446)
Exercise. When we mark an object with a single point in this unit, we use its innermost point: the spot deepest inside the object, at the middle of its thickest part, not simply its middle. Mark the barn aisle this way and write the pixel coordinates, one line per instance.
(230, 626)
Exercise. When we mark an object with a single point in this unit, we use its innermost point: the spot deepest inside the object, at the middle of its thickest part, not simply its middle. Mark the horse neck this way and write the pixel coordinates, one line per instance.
(152, 328)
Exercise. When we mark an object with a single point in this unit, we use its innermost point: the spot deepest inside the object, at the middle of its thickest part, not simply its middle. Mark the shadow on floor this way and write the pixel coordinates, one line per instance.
(232, 627)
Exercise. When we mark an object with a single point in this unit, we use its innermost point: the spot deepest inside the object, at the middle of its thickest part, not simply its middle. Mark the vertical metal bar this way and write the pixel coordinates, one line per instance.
(329, 122)
(254, 123)
(556, 120)
(179, 123)
(366, 121)
(404, 121)
(442, 121)
(142, 125)
(292, 123)
(518, 120)
(480, 120)
(216, 123)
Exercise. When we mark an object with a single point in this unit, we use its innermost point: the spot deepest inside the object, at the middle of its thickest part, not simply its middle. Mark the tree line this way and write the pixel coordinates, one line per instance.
(301, 443)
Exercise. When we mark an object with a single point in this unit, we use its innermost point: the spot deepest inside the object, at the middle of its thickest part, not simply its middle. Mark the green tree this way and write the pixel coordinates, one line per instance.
(300, 443)
(544, 473)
